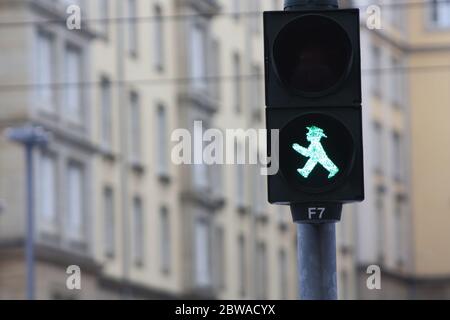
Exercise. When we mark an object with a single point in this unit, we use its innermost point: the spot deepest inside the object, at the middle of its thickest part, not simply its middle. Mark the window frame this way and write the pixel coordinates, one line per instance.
(158, 38)
(138, 244)
(107, 128)
(165, 240)
(436, 25)
(76, 235)
(44, 104)
(109, 222)
(76, 116)
(51, 224)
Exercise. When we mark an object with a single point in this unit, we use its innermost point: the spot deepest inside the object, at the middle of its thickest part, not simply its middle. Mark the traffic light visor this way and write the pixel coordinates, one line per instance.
(312, 55)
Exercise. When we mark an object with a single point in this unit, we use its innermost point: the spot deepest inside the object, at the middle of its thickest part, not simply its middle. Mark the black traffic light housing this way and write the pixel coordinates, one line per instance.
(313, 96)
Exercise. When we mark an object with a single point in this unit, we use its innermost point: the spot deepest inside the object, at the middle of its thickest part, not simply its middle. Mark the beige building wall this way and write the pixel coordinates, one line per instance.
(412, 51)
(109, 270)
(430, 99)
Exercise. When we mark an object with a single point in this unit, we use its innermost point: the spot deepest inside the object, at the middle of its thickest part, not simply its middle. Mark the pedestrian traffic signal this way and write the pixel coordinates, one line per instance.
(313, 97)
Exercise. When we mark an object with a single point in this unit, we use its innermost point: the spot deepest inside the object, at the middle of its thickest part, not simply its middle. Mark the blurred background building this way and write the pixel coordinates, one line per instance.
(403, 224)
(110, 200)
(108, 197)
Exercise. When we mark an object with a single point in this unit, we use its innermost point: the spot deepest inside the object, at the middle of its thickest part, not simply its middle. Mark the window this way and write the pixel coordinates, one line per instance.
(158, 39)
(258, 192)
(237, 82)
(219, 258)
(434, 11)
(47, 192)
(75, 202)
(261, 271)
(202, 254)
(108, 215)
(215, 69)
(440, 13)
(378, 147)
(236, 9)
(398, 16)
(283, 274)
(138, 232)
(257, 105)
(240, 178)
(242, 261)
(165, 243)
(397, 161)
(106, 107)
(200, 172)
(380, 230)
(397, 82)
(73, 99)
(132, 28)
(45, 72)
(256, 20)
(376, 75)
(103, 13)
(162, 143)
(217, 180)
(135, 127)
(198, 57)
(398, 229)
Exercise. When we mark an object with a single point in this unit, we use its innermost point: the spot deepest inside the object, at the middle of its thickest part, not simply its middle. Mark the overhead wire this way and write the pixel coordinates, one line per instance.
(181, 80)
(244, 14)
(207, 79)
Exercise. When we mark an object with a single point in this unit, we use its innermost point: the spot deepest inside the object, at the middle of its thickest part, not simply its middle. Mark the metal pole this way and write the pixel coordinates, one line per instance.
(316, 248)
(29, 246)
(29, 136)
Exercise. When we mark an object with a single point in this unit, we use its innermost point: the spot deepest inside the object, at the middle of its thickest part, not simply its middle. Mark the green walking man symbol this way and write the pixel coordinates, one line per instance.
(316, 153)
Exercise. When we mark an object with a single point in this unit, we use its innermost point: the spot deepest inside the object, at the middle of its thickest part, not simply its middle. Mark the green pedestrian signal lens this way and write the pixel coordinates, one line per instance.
(316, 153)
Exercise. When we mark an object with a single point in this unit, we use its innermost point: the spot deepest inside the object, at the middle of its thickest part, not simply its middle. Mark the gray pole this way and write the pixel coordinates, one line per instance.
(29, 136)
(29, 246)
(317, 261)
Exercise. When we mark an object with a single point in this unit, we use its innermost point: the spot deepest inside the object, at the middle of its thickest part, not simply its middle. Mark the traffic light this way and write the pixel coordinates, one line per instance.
(313, 96)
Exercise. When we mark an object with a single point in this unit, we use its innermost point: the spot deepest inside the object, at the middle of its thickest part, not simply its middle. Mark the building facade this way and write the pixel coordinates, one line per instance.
(108, 197)
(401, 225)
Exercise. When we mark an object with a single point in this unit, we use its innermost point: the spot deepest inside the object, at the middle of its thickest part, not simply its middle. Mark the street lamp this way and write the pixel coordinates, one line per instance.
(29, 136)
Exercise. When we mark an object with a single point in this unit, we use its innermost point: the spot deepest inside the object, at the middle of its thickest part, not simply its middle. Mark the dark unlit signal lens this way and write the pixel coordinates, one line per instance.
(312, 54)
